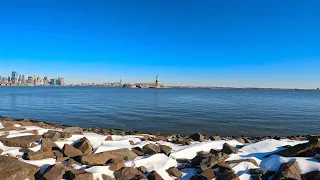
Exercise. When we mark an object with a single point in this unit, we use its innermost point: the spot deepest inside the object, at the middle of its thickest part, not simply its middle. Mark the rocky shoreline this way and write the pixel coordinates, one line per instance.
(37, 150)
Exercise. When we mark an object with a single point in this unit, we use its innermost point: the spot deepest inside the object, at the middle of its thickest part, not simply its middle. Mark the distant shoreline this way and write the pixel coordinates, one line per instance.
(182, 87)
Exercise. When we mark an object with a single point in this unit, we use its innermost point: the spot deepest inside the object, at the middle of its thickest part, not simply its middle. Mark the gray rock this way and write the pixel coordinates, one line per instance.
(288, 170)
(54, 172)
(45, 152)
(300, 149)
(197, 137)
(76, 174)
(173, 171)
(138, 151)
(73, 130)
(11, 168)
(151, 149)
(213, 160)
(84, 145)
(228, 149)
(53, 135)
(103, 157)
(129, 173)
(71, 151)
(22, 141)
(165, 149)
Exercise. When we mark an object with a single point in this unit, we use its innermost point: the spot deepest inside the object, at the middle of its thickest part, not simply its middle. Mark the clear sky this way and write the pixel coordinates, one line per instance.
(249, 43)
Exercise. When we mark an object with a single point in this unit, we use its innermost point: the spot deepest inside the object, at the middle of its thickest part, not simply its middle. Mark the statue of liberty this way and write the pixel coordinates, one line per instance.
(157, 81)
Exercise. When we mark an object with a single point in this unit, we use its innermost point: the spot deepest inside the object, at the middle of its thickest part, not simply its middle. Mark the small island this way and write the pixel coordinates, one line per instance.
(145, 85)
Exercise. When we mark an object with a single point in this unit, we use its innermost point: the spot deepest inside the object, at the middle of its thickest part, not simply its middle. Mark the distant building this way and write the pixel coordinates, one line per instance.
(54, 82)
(29, 80)
(14, 77)
(4, 80)
(23, 79)
(20, 78)
(61, 81)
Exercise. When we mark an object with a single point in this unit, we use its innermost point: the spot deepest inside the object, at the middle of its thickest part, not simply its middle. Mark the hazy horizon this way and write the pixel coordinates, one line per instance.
(271, 44)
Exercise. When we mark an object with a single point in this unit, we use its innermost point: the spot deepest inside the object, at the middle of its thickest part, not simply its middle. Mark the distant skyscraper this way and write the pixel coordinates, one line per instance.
(14, 77)
(53, 82)
(23, 80)
(20, 78)
(61, 81)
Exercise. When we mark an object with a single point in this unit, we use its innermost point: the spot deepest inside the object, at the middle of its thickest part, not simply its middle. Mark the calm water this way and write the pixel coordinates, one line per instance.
(209, 111)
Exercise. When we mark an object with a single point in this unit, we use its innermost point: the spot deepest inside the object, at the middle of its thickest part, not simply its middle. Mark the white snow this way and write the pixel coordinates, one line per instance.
(189, 152)
(160, 162)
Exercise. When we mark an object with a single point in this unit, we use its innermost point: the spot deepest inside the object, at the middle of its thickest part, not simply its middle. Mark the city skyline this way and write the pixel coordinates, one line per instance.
(267, 44)
(19, 79)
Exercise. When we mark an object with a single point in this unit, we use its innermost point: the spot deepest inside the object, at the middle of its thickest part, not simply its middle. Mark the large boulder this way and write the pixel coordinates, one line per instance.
(53, 135)
(228, 149)
(300, 149)
(48, 145)
(173, 171)
(71, 151)
(38, 155)
(71, 162)
(215, 138)
(225, 174)
(54, 172)
(73, 130)
(103, 157)
(116, 166)
(212, 160)
(45, 152)
(84, 145)
(197, 137)
(11, 168)
(154, 176)
(138, 151)
(129, 173)
(151, 149)
(290, 170)
(22, 141)
(76, 174)
(165, 149)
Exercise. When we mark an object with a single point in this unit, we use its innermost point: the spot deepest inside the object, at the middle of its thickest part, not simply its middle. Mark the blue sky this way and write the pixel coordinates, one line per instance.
(221, 43)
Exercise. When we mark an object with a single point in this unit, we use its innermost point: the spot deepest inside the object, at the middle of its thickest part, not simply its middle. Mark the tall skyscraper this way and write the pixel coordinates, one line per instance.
(23, 80)
(53, 82)
(14, 77)
(61, 81)
(20, 78)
